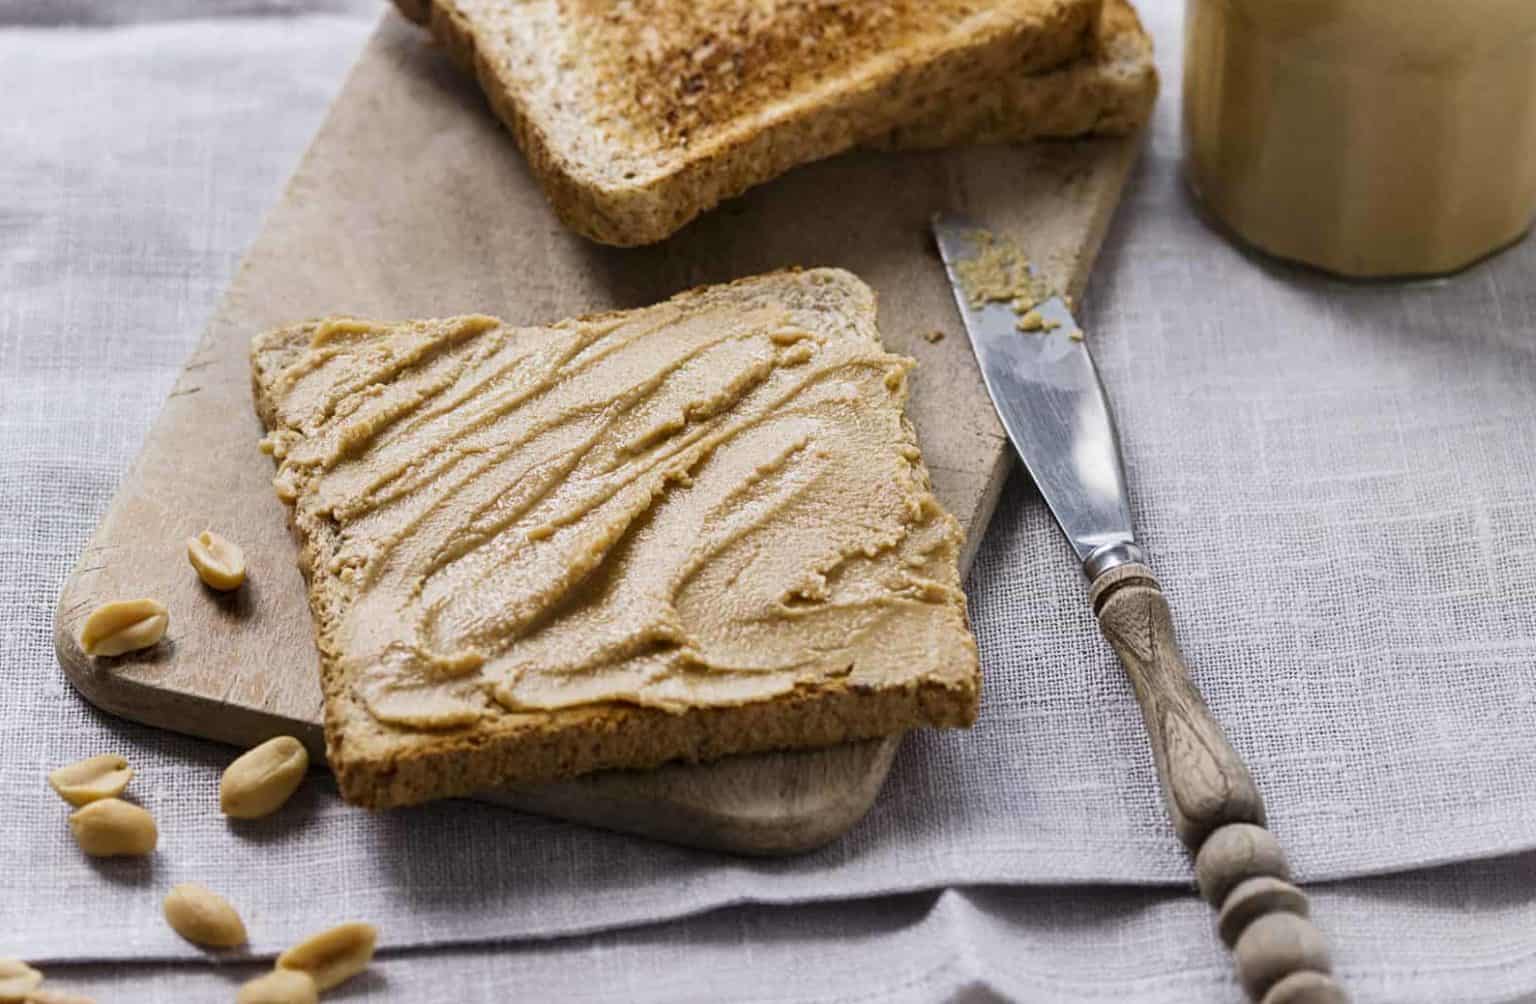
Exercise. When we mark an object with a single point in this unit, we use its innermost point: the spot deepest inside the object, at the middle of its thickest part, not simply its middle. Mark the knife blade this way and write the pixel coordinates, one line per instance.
(1041, 377)
(1052, 405)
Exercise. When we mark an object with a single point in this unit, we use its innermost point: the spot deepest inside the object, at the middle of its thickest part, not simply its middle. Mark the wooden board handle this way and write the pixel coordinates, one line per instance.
(1215, 806)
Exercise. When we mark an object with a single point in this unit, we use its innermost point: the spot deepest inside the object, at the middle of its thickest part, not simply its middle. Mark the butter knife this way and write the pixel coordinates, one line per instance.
(1047, 392)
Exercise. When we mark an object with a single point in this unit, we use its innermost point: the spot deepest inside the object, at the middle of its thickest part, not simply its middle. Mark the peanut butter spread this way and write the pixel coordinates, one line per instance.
(999, 272)
(664, 508)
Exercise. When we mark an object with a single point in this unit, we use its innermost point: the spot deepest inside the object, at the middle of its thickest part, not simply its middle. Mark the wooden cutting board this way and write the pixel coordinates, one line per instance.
(413, 202)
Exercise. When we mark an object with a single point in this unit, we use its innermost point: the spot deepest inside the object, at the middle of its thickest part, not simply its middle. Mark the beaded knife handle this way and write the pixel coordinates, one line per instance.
(1052, 405)
(1218, 813)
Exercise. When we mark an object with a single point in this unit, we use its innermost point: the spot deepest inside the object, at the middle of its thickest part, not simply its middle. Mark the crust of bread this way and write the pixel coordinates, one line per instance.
(381, 767)
(1109, 92)
(655, 191)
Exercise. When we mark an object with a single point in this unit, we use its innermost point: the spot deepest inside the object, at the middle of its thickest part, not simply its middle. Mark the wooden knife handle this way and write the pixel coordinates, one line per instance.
(1216, 809)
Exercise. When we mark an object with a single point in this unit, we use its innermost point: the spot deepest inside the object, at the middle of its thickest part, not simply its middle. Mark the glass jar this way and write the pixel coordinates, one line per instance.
(1367, 137)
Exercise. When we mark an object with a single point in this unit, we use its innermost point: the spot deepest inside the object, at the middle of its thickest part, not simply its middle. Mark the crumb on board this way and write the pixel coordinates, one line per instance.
(933, 337)
(1030, 320)
(1076, 335)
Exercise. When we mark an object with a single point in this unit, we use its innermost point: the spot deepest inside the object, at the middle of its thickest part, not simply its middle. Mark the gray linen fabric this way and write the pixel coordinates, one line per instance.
(1460, 935)
(1336, 483)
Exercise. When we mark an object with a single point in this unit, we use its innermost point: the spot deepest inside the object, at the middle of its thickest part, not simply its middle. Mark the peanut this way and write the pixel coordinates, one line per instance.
(280, 986)
(96, 777)
(111, 827)
(332, 956)
(219, 562)
(262, 779)
(123, 626)
(17, 980)
(203, 917)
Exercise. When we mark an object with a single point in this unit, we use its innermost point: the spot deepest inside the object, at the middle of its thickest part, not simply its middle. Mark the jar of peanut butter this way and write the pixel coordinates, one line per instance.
(1370, 138)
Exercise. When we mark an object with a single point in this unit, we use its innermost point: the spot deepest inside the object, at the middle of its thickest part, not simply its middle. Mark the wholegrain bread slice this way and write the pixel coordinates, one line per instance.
(1108, 92)
(673, 533)
(638, 116)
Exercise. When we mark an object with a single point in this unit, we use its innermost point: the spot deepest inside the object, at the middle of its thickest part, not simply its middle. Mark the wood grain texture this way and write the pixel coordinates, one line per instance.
(412, 202)
(1252, 899)
(1234, 854)
(1278, 945)
(1205, 783)
(1306, 988)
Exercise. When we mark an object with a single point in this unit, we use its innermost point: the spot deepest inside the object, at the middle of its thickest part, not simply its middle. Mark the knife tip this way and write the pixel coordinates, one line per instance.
(941, 220)
(950, 228)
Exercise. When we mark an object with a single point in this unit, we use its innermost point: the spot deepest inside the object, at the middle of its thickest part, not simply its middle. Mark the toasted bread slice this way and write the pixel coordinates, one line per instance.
(1109, 92)
(638, 116)
(678, 532)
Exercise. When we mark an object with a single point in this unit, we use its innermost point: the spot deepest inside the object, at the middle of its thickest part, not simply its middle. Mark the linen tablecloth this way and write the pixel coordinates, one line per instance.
(1371, 448)
(1460, 935)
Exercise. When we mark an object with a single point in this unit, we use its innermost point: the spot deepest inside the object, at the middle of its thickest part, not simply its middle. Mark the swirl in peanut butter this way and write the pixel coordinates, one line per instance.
(664, 508)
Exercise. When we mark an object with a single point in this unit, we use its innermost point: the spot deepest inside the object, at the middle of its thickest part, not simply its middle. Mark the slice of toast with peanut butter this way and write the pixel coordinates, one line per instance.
(673, 533)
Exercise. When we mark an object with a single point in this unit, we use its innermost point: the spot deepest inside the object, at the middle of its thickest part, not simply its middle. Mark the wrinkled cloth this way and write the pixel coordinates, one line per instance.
(1334, 482)
(1457, 935)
